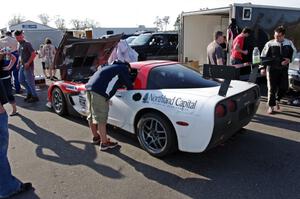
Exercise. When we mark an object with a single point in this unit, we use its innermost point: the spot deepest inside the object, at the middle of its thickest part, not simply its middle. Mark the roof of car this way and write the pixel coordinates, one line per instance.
(150, 64)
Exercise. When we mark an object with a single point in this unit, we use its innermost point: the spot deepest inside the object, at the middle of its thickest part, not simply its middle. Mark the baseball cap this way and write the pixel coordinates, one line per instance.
(18, 32)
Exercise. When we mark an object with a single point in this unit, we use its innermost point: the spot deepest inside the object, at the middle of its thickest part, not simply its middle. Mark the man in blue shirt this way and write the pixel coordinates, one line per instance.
(100, 88)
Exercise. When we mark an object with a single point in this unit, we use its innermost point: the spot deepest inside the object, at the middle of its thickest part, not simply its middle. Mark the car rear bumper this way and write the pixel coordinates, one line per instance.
(225, 127)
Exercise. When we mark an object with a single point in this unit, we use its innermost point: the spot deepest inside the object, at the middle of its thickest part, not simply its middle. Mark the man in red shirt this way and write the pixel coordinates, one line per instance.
(237, 51)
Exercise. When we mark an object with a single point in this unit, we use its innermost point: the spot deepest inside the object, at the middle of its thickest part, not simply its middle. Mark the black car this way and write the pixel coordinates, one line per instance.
(156, 46)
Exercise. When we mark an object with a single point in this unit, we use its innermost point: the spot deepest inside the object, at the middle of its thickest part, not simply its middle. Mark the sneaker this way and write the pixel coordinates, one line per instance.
(108, 145)
(96, 140)
(32, 99)
(270, 110)
(27, 97)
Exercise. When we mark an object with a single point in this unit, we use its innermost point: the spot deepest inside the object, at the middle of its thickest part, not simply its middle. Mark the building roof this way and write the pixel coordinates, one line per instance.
(31, 22)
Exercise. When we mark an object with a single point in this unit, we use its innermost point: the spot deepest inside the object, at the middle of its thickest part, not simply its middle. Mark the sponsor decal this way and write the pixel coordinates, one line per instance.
(71, 88)
(82, 101)
(172, 102)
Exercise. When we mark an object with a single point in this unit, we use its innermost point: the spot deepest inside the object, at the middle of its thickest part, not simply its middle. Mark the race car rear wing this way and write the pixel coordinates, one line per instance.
(227, 73)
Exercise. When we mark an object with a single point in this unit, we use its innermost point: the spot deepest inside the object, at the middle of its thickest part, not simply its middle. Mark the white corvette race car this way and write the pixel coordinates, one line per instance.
(171, 107)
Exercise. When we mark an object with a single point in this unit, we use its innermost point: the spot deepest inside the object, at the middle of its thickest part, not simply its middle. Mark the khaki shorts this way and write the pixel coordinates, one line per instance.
(98, 108)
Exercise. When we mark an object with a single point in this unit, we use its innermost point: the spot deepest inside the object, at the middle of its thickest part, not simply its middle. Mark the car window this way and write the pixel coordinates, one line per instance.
(141, 40)
(176, 76)
(157, 40)
(172, 40)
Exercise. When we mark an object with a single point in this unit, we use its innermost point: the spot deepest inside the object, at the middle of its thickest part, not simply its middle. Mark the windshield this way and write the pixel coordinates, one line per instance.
(177, 76)
(130, 39)
(141, 40)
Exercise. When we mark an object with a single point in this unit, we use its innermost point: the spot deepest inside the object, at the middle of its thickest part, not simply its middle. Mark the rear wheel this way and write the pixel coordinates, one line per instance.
(59, 102)
(156, 135)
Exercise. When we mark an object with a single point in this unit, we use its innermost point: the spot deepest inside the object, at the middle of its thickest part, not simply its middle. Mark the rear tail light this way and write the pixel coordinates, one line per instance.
(220, 110)
(231, 105)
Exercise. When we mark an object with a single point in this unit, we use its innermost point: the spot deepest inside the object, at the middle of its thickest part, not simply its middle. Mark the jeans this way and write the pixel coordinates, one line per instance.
(8, 183)
(26, 77)
(15, 73)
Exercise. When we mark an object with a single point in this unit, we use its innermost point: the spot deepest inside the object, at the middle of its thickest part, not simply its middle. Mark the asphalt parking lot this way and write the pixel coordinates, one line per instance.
(54, 153)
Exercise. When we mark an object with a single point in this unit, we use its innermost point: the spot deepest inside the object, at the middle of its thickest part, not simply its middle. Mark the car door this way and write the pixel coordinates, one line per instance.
(155, 48)
(120, 108)
(171, 50)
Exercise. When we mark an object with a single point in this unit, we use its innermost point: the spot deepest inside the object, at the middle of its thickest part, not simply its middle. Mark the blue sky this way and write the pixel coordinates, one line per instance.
(118, 13)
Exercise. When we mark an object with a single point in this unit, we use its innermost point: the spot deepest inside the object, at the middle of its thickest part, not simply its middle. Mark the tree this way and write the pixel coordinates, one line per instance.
(17, 19)
(45, 19)
(60, 22)
(159, 23)
(77, 24)
(89, 23)
(165, 21)
(177, 23)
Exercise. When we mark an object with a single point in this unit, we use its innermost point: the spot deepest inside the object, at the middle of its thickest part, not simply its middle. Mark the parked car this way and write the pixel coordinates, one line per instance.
(171, 106)
(156, 46)
(294, 74)
(130, 39)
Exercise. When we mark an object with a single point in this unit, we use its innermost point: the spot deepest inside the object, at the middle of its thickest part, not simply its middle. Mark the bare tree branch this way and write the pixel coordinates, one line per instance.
(60, 22)
(159, 23)
(76, 23)
(17, 19)
(165, 20)
(45, 19)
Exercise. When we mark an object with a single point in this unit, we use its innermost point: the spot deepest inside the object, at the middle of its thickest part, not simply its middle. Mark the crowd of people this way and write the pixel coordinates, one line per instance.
(111, 76)
(17, 62)
(16, 57)
(279, 50)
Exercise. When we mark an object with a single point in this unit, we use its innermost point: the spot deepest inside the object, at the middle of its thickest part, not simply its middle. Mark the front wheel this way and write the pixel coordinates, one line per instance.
(156, 135)
(59, 102)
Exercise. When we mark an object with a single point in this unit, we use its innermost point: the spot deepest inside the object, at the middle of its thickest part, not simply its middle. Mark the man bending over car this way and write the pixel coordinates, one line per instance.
(100, 88)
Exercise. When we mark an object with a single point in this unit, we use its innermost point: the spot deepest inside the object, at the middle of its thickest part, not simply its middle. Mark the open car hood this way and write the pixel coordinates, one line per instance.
(78, 58)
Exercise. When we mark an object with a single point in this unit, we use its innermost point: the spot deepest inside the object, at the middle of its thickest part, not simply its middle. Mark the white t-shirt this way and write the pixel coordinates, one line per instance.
(48, 52)
(9, 42)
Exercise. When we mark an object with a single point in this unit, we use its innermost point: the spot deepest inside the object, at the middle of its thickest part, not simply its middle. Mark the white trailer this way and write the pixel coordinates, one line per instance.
(197, 27)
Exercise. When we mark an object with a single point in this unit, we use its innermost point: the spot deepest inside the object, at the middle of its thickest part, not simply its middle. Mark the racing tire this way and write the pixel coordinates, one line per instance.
(156, 135)
(59, 102)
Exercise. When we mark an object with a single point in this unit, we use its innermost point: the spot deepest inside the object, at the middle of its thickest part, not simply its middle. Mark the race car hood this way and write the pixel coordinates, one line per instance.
(71, 47)
(78, 58)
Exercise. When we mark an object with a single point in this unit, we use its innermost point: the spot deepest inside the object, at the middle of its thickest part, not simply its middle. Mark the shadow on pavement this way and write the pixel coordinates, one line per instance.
(162, 177)
(66, 152)
(278, 122)
(36, 106)
(249, 165)
(26, 195)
